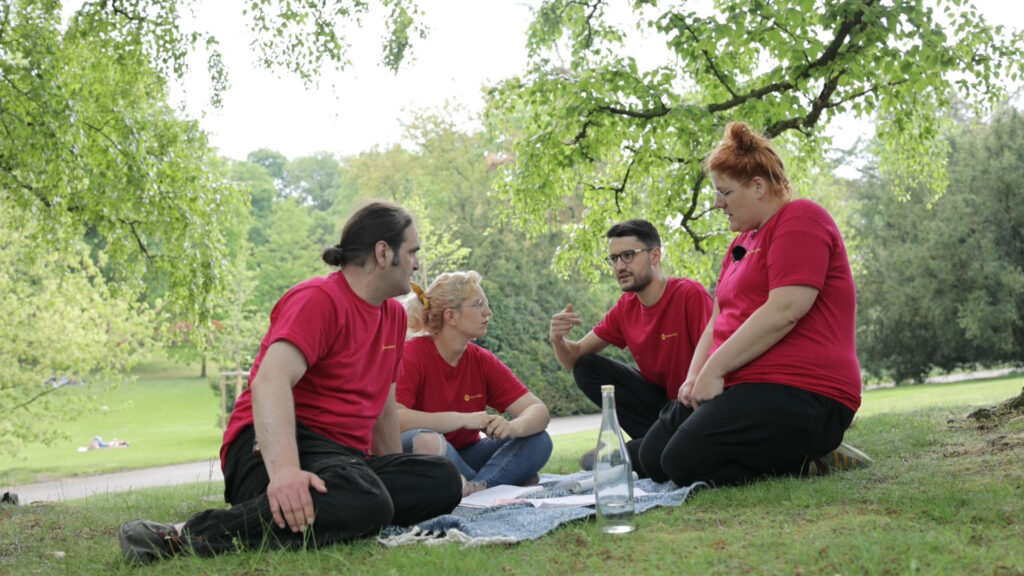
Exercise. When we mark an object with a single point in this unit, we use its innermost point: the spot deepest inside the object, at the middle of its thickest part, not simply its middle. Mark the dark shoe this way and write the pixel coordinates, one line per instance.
(143, 541)
(587, 459)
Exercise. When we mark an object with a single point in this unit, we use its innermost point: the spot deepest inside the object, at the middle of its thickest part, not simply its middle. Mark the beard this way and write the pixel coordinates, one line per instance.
(640, 281)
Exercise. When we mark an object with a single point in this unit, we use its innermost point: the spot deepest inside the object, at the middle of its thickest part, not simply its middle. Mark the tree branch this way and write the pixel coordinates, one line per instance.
(621, 186)
(592, 6)
(707, 56)
(138, 238)
(827, 57)
(34, 398)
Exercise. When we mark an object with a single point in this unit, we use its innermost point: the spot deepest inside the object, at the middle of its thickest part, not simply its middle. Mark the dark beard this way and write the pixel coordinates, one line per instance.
(638, 285)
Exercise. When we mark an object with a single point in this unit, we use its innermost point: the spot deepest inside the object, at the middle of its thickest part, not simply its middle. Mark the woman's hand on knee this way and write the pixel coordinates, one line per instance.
(685, 393)
(705, 389)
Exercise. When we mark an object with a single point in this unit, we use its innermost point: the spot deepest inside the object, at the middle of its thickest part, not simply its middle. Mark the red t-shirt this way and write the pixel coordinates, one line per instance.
(799, 246)
(660, 338)
(430, 384)
(353, 353)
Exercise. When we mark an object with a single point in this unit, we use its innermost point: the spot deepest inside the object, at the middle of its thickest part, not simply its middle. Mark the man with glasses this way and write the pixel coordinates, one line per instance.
(659, 319)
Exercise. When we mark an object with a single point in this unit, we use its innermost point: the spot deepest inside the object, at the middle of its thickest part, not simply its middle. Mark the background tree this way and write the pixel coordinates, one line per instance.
(313, 181)
(601, 130)
(446, 177)
(102, 177)
(62, 325)
(942, 282)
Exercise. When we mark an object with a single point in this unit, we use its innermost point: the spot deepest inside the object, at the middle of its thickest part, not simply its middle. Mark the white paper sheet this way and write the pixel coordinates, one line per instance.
(506, 494)
(496, 495)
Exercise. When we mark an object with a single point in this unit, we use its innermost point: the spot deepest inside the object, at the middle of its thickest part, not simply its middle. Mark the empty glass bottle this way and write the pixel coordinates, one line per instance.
(613, 472)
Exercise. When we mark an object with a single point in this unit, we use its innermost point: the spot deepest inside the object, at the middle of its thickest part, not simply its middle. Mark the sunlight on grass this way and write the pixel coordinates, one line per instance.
(941, 498)
(171, 416)
(166, 421)
(956, 395)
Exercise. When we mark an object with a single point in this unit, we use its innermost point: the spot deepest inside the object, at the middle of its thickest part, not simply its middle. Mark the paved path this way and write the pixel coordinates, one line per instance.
(193, 472)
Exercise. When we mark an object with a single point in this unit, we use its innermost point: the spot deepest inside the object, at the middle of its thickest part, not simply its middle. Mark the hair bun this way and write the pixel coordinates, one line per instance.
(742, 137)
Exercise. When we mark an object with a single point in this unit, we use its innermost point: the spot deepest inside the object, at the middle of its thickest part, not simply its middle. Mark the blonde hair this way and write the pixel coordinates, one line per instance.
(743, 154)
(448, 291)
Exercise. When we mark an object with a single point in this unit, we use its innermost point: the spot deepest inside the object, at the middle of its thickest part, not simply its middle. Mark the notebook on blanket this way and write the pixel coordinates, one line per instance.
(511, 514)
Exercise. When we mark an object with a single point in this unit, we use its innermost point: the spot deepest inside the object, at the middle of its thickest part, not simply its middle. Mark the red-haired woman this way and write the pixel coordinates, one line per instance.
(774, 381)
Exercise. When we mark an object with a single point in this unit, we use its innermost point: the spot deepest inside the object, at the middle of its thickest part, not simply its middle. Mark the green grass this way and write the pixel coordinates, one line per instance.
(953, 396)
(945, 496)
(170, 416)
(166, 421)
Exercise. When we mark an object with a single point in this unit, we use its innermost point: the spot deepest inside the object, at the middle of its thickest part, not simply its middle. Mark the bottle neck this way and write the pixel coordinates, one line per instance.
(608, 417)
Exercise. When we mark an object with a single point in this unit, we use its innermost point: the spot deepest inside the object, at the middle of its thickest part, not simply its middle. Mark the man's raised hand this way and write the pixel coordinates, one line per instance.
(563, 322)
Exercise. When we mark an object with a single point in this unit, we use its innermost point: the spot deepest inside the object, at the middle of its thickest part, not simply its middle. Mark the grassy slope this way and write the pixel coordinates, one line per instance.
(171, 418)
(946, 496)
(167, 419)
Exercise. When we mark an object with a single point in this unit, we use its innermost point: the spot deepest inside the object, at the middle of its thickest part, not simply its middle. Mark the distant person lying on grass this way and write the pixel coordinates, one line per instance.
(312, 453)
(97, 443)
(448, 382)
(774, 381)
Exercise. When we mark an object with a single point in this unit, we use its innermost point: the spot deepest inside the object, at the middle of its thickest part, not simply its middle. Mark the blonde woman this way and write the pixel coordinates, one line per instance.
(448, 382)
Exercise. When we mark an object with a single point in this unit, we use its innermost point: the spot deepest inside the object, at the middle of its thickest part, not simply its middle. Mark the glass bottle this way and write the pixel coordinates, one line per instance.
(613, 472)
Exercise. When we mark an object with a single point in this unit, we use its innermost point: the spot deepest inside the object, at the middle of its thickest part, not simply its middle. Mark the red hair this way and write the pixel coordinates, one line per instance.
(744, 154)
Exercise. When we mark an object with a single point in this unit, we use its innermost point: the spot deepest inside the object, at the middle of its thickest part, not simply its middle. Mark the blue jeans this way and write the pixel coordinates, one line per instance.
(491, 461)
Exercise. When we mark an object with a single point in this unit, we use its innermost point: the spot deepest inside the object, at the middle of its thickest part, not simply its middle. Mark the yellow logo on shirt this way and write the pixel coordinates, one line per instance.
(473, 397)
(667, 336)
(387, 347)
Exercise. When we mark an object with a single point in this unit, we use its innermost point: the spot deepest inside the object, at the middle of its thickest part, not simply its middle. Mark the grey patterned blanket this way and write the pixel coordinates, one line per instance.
(518, 521)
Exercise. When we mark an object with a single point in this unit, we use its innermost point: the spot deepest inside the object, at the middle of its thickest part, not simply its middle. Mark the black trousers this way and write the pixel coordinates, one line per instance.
(637, 400)
(748, 432)
(363, 496)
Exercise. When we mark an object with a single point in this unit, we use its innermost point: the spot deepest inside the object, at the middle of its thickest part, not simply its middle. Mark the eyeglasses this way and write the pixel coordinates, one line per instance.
(480, 304)
(626, 256)
(723, 195)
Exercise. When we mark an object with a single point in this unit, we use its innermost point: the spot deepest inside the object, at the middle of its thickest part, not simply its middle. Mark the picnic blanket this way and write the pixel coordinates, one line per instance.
(512, 523)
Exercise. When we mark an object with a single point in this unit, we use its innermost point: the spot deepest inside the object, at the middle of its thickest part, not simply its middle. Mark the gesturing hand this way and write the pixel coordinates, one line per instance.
(290, 500)
(562, 323)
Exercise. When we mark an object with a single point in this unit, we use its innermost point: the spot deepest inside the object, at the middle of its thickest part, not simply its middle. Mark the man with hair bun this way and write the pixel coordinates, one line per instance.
(312, 453)
(659, 319)
(774, 381)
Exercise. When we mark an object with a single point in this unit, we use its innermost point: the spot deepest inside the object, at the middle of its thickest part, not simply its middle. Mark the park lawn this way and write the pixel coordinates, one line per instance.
(170, 416)
(945, 496)
(165, 420)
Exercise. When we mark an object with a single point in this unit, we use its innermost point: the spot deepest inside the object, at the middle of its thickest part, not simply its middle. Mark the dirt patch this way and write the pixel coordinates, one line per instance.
(1006, 442)
(1009, 410)
(999, 428)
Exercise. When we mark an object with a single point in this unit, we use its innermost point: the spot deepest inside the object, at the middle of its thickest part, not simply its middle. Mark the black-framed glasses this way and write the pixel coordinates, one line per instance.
(626, 256)
(723, 195)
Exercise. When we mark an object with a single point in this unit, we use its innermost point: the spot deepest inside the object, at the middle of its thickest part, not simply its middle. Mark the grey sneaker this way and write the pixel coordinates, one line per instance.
(587, 459)
(143, 541)
(843, 458)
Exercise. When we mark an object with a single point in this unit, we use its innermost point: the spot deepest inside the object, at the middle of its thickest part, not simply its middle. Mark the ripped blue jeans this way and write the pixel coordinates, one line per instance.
(491, 461)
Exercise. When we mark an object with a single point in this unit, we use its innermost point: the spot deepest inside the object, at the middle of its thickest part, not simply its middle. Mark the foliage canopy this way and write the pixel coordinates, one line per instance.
(942, 283)
(601, 130)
